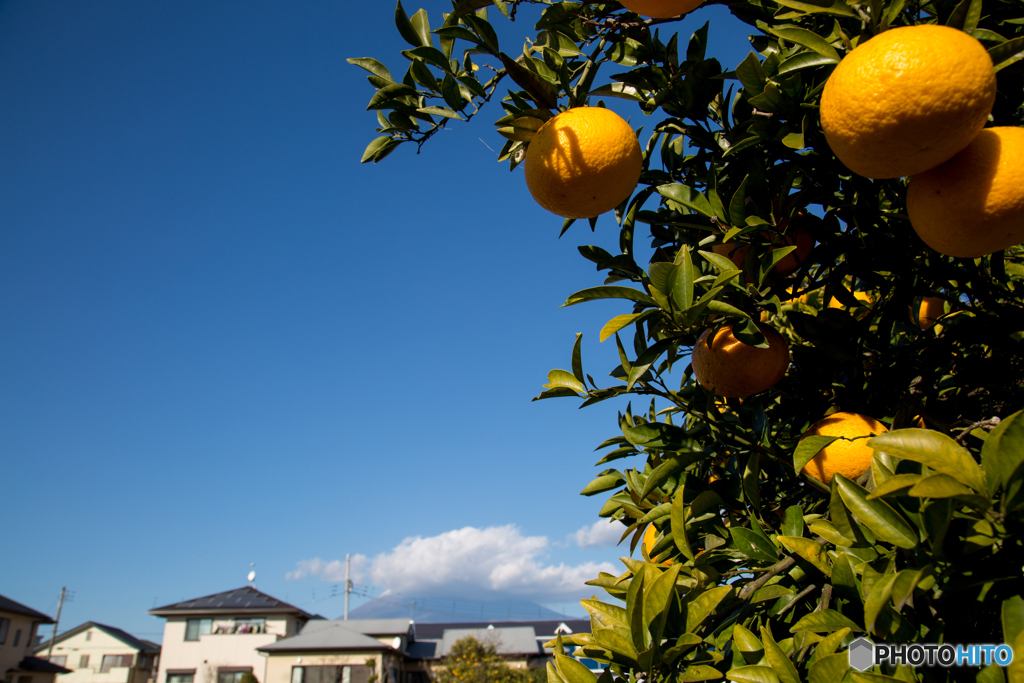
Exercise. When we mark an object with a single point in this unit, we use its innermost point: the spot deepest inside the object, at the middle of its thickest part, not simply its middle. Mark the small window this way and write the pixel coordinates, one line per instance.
(4, 625)
(197, 627)
(17, 637)
(83, 662)
(112, 661)
(180, 678)
(232, 674)
(59, 660)
(88, 635)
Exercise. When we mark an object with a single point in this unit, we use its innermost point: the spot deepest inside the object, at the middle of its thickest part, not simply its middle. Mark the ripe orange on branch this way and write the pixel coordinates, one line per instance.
(973, 204)
(661, 8)
(849, 455)
(907, 100)
(583, 162)
(734, 369)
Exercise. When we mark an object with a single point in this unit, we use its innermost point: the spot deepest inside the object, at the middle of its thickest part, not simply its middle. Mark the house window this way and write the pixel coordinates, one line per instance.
(83, 662)
(232, 674)
(111, 661)
(88, 635)
(4, 625)
(59, 660)
(330, 674)
(180, 675)
(17, 637)
(197, 627)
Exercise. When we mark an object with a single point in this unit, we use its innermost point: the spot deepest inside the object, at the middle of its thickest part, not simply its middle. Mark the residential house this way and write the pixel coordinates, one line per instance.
(341, 652)
(97, 653)
(399, 651)
(18, 627)
(214, 639)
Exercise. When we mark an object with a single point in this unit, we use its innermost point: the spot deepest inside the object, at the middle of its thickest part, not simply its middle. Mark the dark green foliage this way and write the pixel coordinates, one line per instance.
(772, 574)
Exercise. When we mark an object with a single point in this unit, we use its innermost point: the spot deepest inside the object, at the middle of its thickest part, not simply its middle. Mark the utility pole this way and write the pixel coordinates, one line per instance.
(348, 581)
(56, 622)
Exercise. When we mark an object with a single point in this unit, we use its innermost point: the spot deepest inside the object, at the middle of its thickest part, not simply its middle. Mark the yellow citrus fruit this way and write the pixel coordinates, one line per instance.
(583, 162)
(650, 539)
(973, 204)
(661, 8)
(860, 311)
(849, 458)
(907, 100)
(926, 311)
(733, 369)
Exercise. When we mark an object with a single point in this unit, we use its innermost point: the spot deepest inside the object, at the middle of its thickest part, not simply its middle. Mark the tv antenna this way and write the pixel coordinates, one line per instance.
(252, 574)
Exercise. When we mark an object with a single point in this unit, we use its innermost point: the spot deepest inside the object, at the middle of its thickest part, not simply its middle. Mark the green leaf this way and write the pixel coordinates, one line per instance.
(1012, 615)
(577, 360)
(903, 587)
(621, 321)
(808, 39)
(374, 147)
(1005, 54)
(373, 66)
(808, 550)
(682, 283)
(800, 61)
(934, 449)
(829, 532)
(824, 621)
(895, 483)
(646, 359)
(884, 522)
(793, 521)
(700, 608)
(829, 669)
(747, 643)
(877, 599)
(688, 197)
(837, 8)
(604, 615)
(699, 672)
(1003, 453)
(830, 643)
(609, 292)
(405, 27)
(421, 25)
(939, 486)
(753, 545)
(965, 15)
(772, 592)
(722, 308)
(678, 521)
(440, 111)
(605, 482)
(780, 663)
(752, 674)
(572, 670)
(561, 378)
(657, 598)
(543, 93)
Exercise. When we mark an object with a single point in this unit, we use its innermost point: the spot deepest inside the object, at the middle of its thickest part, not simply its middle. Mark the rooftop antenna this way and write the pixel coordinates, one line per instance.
(252, 575)
(348, 581)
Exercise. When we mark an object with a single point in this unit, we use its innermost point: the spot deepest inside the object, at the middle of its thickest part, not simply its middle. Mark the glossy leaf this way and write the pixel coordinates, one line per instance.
(700, 608)
(561, 378)
(572, 670)
(752, 674)
(934, 449)
(603, 483)
(884, 522)
(776, 657)
(939, 486)
(895, 483)
(1003, 453)
(753, 545)
(610, 292)
(877, 599)
(809, 447)
(808, 39)
(809, 550)
(1012, 616)
(824, 621)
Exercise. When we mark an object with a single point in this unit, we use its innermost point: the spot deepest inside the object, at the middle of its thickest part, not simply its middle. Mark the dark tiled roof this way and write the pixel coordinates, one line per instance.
(42, 666)
(125, 637)
(543, 628)
(245, 600)
(8, 605)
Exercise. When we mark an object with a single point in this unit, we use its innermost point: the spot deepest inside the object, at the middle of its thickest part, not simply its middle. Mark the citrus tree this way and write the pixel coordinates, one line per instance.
(823, 358)
(473, 661)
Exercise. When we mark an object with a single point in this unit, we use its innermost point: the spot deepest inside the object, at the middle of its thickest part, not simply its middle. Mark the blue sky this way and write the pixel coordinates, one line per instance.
(226, 342)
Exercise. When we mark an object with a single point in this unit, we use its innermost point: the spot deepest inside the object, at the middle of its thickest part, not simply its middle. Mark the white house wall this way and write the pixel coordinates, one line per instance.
(214, 650)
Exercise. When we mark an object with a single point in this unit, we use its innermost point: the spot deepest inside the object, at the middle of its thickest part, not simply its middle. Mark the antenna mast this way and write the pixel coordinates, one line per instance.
(56, 622)
(348, 581)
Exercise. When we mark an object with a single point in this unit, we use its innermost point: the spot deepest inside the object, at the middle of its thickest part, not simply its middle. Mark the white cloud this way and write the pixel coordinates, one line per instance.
(600, 533)
(468, 562)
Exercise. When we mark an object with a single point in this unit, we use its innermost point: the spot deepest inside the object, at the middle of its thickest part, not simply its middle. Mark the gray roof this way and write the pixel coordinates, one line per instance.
(543, 628)
(8, 605)
(512, 640)
(354, 634)
(245, 600)
(125, 637)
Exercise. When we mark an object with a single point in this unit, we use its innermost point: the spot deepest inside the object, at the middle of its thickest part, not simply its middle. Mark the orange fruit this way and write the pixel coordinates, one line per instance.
(928, 310)
(973, 204)
(730, 368)
(661, 8)
(583, 162)
(650, 539)
(737, 251)
(907, 100)
(861, 311)
(849, 458)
